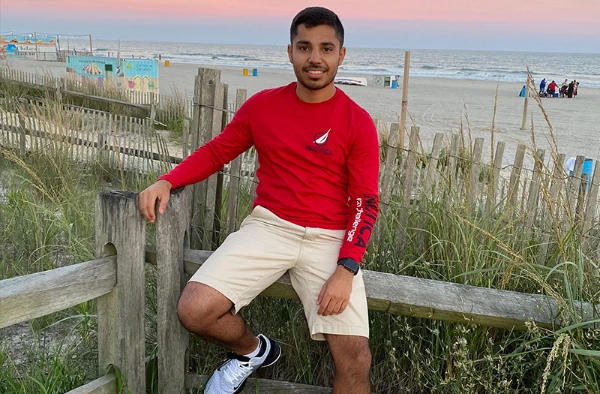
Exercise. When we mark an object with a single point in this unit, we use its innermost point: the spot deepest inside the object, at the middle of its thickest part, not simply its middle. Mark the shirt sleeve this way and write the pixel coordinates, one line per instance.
(363, 191)
(235, 139)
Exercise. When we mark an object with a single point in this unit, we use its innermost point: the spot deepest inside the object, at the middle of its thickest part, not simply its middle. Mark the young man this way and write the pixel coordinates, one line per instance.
(317, 202)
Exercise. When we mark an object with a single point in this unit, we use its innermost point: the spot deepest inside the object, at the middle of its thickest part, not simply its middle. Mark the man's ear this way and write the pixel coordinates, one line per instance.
(289, 50)
(342, 55)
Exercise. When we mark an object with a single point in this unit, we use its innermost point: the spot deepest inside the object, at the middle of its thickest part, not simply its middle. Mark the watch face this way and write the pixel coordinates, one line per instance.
(350, 265)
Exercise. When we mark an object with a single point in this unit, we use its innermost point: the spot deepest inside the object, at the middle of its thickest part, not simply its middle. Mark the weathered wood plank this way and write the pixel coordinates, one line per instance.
(389, 168)
(186, 138)
(105, 385)
(121, 230)
(493, 185)
(534, 193)
(212, 183)
(515, 177)
(427, 194)
(235, 171)
(592, 201)
(171, 240)
(450, 178)
(264, 386)
(474, 172)
(407, 181)
(206, 87)
(574, 185)
(254, 180)
(432, 172)
(30, 296)
(426, 298)
(551, 210)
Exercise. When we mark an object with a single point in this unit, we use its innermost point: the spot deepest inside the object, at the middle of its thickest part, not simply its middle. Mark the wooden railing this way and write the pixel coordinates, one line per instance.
(116, 280)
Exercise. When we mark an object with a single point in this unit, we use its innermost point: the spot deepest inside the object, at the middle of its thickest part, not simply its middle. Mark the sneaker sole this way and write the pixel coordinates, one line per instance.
(274, 346)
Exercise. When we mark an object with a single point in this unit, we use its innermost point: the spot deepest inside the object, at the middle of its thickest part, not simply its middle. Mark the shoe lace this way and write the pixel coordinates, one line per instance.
(237, 371)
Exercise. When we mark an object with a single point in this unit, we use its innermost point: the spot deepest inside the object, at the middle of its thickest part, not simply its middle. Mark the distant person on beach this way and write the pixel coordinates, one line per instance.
(570, 89)
(316, 205)
(575, 86)
(542, 87)
(552, 88)
(564, 88)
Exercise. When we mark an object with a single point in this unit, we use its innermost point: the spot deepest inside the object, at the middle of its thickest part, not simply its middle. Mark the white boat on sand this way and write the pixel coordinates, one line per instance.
(358, 81)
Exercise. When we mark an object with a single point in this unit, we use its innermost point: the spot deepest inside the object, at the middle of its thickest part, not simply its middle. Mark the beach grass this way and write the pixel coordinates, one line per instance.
(46, 221)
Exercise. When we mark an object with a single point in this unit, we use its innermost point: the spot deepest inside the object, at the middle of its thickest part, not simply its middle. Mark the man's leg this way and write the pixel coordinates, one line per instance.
(207, 313)
(352, 359)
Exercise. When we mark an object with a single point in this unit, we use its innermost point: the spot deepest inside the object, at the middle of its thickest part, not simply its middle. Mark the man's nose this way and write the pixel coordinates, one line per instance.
(315, 56)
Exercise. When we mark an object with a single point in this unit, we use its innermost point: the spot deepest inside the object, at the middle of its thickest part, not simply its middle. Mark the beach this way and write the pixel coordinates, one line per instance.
(436, 105)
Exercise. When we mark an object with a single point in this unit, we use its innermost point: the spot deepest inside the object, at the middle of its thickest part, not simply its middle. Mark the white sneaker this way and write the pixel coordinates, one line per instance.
(231, 376)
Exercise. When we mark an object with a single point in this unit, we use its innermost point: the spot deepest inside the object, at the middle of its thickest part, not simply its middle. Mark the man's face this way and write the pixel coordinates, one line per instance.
(316, 54)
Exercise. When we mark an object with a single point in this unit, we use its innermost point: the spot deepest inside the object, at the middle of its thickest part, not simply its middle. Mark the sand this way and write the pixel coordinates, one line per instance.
(436, 105)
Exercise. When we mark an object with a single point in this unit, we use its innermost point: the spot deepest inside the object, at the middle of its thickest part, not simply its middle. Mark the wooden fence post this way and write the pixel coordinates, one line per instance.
(120, 229)
(171, 239)
(214, 182)
(204, 104)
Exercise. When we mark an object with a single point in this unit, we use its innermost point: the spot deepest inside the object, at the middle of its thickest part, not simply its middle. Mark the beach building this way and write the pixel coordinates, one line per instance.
(32, 46)
(136, 75)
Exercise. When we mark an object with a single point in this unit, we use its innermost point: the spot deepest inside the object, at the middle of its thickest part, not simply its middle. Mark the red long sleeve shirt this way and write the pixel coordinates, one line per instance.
(318, 163)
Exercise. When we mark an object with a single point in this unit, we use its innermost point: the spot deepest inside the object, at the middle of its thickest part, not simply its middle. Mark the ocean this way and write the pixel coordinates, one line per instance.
(457, 64)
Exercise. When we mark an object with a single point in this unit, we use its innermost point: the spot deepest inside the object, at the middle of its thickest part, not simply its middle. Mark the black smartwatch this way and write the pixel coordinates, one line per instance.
(350, 265)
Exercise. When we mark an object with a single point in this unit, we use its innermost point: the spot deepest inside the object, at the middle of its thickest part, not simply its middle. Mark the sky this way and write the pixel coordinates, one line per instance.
(514, 25)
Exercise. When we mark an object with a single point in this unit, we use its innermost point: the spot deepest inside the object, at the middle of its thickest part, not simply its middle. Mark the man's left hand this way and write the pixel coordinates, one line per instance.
(335, 294)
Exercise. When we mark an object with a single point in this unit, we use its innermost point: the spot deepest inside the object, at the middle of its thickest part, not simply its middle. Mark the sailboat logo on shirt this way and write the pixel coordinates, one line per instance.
(321, 138)
(319, 141)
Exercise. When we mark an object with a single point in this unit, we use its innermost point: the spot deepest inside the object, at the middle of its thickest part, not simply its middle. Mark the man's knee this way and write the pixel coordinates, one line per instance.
(358, 362)
(351, 355)
(199, 306)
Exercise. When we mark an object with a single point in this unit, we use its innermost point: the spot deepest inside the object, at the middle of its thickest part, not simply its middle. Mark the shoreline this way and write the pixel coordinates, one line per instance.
(436, 105)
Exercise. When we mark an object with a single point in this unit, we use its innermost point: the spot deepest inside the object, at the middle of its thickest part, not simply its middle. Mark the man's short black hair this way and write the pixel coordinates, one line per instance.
(317, 16)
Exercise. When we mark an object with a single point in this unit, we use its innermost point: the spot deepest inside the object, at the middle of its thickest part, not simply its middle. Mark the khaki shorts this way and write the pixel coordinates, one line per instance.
(264, 248)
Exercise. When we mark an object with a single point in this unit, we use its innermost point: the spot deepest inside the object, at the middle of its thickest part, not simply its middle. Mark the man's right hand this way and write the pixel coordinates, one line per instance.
(161, 191)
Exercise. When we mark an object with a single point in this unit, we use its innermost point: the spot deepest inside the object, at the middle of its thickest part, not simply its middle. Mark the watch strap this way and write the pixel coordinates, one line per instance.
(349, 264)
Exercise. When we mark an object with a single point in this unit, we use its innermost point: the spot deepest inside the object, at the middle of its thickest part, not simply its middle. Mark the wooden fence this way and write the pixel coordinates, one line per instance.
(85, 135)
(548, 202)
(168, 107)
(116, 280)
